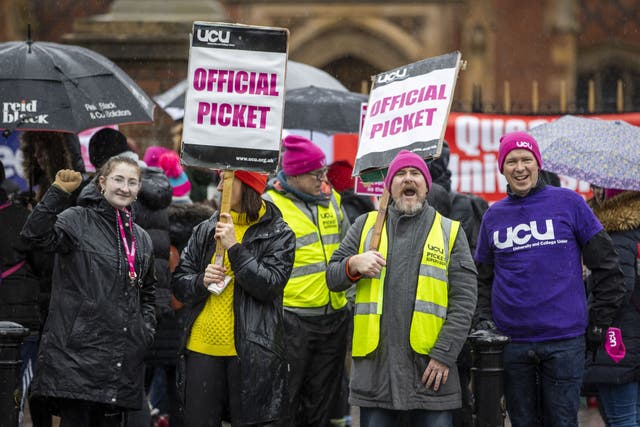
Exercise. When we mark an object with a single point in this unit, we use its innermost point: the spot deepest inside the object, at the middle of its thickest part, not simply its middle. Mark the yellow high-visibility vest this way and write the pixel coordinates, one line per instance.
(430, 307)
(316, 240)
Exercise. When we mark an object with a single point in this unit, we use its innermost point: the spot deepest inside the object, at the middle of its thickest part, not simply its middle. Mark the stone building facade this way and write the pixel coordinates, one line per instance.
(508, 45)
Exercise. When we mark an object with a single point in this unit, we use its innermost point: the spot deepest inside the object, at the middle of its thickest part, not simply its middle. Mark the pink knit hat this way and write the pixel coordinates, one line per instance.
(170, 164)
(514, 141)
(152, 155)
(612, 192)
(406, 159)
(301, 156)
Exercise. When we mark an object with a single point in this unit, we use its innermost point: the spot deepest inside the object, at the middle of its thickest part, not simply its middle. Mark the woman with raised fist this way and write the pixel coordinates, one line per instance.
(101, 316)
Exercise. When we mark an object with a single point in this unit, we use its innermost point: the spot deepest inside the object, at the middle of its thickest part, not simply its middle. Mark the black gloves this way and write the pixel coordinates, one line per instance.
(594, 337)
(485, 325)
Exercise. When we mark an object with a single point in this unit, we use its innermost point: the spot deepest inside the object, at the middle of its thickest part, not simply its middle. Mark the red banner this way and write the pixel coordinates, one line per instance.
(473, 140)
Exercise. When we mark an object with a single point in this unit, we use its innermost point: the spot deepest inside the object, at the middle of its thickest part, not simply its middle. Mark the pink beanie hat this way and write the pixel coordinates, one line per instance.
(612, 192)
(407, 159)
(152, 155)
(514, 141)
(170, 164)
(301, 156)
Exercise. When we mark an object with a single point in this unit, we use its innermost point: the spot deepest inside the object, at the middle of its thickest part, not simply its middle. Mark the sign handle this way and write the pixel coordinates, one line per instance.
(225, 207)
(382, 215)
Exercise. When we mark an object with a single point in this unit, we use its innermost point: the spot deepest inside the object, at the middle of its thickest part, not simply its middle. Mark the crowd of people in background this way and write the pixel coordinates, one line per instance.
(149, 306)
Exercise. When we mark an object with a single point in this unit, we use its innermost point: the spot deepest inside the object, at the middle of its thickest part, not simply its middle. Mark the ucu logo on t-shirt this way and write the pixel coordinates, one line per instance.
(524, 144)
(522, 233)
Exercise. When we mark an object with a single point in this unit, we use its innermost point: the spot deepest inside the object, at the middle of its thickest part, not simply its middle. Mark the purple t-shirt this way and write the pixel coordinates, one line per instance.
(535, 245)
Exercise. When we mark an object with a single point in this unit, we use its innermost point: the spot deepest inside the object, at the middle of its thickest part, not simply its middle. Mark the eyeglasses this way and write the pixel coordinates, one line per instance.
(319, 175)
(120, 181)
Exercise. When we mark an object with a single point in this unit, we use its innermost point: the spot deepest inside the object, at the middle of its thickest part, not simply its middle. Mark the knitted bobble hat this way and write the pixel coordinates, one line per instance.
(301, 156)
(407, 159)
(515, 141)
(170, 164)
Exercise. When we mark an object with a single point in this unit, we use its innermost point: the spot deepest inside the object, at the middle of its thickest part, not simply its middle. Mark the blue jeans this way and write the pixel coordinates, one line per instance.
(621, 404)
(378, 417)
(542, 382)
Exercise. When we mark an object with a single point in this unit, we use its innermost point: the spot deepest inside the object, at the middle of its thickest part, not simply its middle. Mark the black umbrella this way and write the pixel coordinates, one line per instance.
(325, 110)
(65, 88)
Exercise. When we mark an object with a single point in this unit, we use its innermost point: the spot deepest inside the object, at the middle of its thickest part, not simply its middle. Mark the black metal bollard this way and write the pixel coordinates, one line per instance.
(486, 378)
(11, 336)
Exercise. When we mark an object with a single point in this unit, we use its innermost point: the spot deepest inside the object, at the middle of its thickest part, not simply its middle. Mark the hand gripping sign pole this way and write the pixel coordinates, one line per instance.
(383, 203)
(225, 207)
(408, 109)
(234, 104)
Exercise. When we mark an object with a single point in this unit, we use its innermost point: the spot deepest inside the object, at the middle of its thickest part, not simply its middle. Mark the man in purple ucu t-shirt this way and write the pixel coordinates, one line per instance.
(531, 247)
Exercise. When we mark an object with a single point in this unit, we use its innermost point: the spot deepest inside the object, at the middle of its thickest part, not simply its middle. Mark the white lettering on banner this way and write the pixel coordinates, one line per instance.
(12, 161)
(613, 342)
(475, 175)
(474, 135)
(213, 36)
(530, 230)
(474, 166)
(394, 75)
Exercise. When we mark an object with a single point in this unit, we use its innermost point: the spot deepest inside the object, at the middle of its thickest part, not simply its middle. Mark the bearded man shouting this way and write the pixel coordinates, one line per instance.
(415, 297)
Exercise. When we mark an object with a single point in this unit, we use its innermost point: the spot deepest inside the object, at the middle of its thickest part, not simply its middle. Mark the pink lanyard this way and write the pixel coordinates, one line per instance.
(131, 253)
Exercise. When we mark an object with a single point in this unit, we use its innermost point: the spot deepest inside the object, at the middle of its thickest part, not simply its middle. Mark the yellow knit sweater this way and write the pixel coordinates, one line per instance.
(212, 332)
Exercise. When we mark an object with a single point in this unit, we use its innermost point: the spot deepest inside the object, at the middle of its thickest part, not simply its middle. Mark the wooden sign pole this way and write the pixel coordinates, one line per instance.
(225, 207)
(382, 215)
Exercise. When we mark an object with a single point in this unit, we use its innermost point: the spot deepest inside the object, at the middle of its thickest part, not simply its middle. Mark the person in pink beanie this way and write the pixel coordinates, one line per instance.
(415, 298)
(152, 155)
(530, 250)
(316, 320)
(518, 140)
(169, 162)
(301, 156)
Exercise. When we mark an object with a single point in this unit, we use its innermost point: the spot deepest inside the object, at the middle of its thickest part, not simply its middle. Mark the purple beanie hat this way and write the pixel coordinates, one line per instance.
(407, 159)
(301, 156)
(518, 140)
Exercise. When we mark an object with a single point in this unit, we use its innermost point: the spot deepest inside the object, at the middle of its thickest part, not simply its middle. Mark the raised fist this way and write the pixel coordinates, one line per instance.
(68, 180)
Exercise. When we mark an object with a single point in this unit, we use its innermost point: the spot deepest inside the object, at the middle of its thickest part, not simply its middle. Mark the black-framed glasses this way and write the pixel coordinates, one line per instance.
(319, 174)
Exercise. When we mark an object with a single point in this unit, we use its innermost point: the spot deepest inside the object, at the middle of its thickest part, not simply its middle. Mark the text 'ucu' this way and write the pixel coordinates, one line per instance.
(521, 234)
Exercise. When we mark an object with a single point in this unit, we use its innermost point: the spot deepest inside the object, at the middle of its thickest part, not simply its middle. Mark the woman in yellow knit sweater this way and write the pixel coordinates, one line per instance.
(232, 362)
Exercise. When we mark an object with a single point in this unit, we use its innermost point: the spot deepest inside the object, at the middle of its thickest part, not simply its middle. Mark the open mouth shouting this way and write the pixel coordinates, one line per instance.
(409, 191)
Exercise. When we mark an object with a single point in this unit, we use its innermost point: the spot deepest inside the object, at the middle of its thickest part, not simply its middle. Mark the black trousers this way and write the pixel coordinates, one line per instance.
(316, 348)
(212, 391)
(80, 413)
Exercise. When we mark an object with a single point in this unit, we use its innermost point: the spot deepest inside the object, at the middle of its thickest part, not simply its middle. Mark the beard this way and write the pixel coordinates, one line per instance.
(409, 208)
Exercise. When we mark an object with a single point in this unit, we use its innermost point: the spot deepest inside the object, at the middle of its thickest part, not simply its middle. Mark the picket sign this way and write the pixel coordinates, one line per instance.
(408, 109)
(234, 104)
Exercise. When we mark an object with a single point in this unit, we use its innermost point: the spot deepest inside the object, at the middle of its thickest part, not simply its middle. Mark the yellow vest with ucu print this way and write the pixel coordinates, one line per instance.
(316, 240)
(430, 307)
